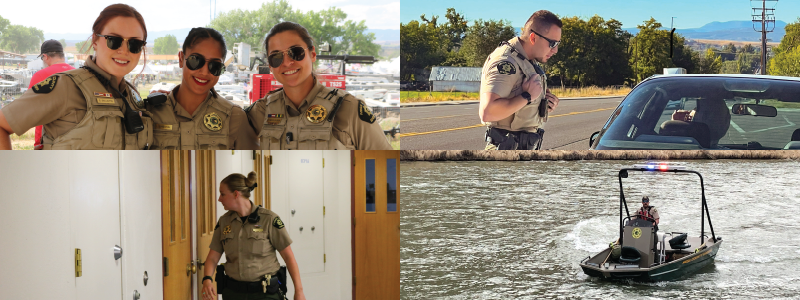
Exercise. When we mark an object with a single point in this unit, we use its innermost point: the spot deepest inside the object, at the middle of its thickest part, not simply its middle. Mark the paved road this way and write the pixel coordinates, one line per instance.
(457, 127)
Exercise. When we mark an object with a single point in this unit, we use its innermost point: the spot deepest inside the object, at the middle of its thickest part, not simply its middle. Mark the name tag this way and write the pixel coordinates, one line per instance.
(163, 127)
(258, 229)
(104, 100)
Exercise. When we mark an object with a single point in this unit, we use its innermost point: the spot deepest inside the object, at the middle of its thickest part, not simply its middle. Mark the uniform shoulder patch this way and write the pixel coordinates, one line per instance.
(46, 86)
(364, 113)
(277, 223)
(506, 68)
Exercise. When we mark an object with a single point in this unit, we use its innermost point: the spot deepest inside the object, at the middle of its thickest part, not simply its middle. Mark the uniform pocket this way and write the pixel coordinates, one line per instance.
(166, 140)
(212, 141)
(258, 242)
(313, 139)
(142, 139)
(270, 137)
(107, 129)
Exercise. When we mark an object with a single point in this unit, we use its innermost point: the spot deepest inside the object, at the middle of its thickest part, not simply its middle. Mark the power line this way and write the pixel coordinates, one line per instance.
(765, 16)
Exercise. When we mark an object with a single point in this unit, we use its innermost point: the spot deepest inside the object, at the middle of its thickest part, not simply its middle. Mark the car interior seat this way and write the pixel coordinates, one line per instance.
(715, 114)
(796, 135)
(698, 131)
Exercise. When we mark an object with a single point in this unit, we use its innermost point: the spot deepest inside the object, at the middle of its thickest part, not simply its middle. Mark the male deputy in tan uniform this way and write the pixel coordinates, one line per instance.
(318, 123)
(649, 213)
(215, 124)
(250, 247)
(513, 86)
(78, 111)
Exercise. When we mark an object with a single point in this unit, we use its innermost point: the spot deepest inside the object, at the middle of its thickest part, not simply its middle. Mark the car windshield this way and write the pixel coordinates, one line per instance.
(706, 113)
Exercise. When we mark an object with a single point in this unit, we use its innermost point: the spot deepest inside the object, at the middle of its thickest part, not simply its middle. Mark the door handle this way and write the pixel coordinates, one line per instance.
(191, 268)
(117, 252)
(199, 263)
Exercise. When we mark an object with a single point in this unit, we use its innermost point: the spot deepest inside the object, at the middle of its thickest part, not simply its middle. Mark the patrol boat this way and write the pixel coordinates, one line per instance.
(641, 255)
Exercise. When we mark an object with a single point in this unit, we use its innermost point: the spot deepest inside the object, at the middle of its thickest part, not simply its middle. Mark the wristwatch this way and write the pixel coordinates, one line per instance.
(526, 95)
(206, 277)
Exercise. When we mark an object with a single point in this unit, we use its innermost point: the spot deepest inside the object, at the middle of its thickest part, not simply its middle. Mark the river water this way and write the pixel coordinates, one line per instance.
(517, 230)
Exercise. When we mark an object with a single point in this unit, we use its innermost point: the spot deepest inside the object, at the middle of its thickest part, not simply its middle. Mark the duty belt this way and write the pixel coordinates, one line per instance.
(515, 140)
(267, 285)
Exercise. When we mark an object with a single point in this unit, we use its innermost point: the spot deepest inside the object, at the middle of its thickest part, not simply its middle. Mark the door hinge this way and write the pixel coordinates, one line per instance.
(324, 258)
(232, 152)
(255, 155)
(323, 163)
(270, 159)
(166, 266)
(354, 280)
(323, 210)
(354, 221)
(78, 263)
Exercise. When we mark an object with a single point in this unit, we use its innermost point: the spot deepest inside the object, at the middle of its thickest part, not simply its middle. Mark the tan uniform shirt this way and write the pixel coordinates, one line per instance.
(354, 126)
(653, 212)
(503, 73)
(250, 247)
(175, 128)
(60, 109)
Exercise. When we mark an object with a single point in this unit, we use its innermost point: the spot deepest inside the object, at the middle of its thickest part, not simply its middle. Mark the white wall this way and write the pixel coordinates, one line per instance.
(140, 202)
(335, 281)
(61, 200)
(36, 236)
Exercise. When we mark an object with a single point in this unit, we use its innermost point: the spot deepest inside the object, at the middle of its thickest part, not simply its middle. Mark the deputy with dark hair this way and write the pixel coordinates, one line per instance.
(305, 114)
(194, 115)
(515, 100)
(92, 107)
(249, 235)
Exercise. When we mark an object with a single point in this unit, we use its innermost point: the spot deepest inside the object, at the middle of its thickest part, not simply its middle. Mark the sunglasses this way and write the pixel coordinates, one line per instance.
(114, 42)
(553, 43)
(296, 53)
(196, 61)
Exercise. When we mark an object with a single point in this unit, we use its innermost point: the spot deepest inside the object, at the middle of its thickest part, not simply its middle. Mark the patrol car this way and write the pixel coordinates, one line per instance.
(693, 112)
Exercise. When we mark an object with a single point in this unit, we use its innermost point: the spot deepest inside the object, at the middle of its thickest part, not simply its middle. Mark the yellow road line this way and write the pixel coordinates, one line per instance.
(401, 120)
(479, 125)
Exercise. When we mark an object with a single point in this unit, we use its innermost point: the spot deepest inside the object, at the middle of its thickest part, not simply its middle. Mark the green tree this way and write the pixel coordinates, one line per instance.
(592, 52)
(748, 48)
(84, 47)
(711, 63)
(20, 39)
(327, 25)
(3, 24)
(650, 51)
(482, 38)
(786, 56)
(423, 45)
(730, 48)
(166, 45)
(63, 43)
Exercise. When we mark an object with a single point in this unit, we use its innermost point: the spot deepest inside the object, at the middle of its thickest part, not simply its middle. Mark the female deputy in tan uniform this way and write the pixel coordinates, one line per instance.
(305, 114)
(91, 107)
(249, 236)
(194, 115)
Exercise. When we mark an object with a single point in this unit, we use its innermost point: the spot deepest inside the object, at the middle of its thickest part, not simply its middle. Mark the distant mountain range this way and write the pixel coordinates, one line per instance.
(381, 35)
(730, 30)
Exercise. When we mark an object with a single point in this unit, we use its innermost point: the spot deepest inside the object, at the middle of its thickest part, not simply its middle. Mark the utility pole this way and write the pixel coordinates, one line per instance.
(765, 16)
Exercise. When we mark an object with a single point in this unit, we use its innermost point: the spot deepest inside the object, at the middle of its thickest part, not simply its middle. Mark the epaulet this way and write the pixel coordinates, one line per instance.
(215, 227)
(275, 95)
(336, 96)
(247, 108)
(224, 104)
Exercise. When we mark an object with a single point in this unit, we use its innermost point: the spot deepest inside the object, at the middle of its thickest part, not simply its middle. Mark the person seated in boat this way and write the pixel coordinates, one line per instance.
(648, 212)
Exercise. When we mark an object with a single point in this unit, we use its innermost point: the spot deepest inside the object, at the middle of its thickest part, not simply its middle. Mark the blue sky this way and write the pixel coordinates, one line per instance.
(689, 14)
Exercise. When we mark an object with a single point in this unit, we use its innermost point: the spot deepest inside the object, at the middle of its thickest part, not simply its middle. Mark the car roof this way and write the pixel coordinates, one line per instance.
(748, 76)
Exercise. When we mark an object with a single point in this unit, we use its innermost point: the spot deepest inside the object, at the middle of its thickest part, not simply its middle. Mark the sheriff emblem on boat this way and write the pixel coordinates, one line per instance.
(637, 232)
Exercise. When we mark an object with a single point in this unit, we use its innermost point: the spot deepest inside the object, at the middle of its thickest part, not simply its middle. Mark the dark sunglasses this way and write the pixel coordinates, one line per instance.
(553, 43)
(296, 53)
(196, 61)
(114, 42)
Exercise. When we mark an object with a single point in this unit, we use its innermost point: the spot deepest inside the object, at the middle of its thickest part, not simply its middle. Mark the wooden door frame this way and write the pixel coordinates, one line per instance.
(188, 209)
(352, 221)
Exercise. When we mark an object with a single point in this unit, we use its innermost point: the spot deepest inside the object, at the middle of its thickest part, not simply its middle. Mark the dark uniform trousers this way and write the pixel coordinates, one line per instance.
(229, 294)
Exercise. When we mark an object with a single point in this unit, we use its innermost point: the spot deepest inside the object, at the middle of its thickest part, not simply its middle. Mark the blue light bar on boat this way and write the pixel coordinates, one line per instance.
(659, 166)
